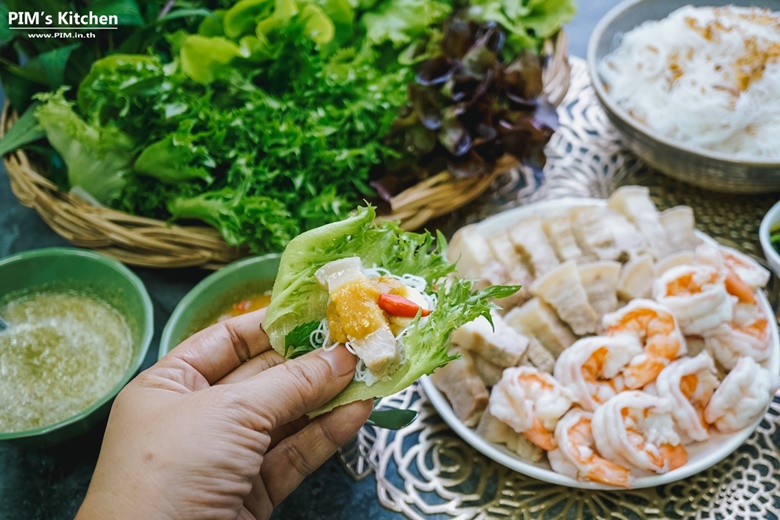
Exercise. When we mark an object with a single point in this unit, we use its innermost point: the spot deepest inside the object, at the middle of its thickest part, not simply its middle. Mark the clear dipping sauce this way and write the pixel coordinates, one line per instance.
(59, 353)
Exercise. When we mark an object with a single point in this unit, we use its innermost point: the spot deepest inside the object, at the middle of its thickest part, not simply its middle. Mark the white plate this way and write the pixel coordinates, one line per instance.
(701, 455)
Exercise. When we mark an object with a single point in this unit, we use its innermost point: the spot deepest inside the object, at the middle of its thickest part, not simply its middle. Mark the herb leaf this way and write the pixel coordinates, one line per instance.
(297, 342)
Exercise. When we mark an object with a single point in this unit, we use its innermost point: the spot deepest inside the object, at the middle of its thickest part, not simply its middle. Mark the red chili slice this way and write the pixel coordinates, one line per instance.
(396, 305)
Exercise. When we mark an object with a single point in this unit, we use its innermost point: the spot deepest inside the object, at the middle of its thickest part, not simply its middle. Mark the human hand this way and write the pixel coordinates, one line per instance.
(217, 428)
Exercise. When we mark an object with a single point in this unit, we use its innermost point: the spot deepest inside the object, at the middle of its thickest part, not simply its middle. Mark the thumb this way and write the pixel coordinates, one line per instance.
(288, 391)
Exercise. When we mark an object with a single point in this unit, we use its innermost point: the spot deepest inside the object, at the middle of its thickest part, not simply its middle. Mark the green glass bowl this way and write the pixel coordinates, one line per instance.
(215, 293)
(91, 273)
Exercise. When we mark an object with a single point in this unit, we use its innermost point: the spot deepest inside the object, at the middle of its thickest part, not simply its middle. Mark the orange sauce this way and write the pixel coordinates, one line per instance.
(246, 305)
(356, 305)
(353, 310)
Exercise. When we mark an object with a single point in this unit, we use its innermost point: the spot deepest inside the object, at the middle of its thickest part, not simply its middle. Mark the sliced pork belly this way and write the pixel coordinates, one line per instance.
(339, 272)
(680, 228)
(517, 272)
(563, 290)
(600, 280)
(561, 237)
(603, 234)
(636, 278)
(593, 236)
(528, 236)
(500, 344)
(488, 372)
(633, 202)
(493, 430)
(628, 240)
(539, 357)
(378, 351)
(537, 319)
(466, 392)
(469, 250)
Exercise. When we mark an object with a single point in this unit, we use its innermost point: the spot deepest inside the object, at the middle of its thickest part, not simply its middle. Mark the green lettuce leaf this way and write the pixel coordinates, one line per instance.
(400, 21)
(547, 16)
(98, 158)
(205, 59)
(299, 299)
(174, 159)
(527, 22)
(241, 18)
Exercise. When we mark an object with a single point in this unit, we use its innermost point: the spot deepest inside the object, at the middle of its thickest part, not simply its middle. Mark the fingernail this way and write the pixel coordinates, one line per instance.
(339, 359)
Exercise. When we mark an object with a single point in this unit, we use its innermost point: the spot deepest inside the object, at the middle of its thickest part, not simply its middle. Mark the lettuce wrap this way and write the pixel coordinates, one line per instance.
(299, 301)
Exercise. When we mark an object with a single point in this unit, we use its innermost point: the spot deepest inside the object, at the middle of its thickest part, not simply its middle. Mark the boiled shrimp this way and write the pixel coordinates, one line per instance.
(748, 333)
(591, 368)
(696, 295)
(689, 384)
(531, 402)
(636, 430)
(656, 329)
(743, 270)
(576, 454)
(742, 397)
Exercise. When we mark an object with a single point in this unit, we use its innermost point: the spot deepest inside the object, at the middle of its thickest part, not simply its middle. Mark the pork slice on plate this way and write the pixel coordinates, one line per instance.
(466, 392)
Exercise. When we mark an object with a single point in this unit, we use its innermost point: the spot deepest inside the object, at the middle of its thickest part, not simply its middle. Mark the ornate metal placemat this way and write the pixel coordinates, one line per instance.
(426, 471)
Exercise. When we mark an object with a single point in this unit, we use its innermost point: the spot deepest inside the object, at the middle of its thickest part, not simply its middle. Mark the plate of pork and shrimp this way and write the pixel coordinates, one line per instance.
(639, 351)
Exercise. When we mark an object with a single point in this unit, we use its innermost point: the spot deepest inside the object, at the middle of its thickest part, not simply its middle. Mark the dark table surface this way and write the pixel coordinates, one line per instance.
(50, 484)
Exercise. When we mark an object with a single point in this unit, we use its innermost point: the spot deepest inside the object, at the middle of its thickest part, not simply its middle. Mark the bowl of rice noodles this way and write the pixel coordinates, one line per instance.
(694, 88)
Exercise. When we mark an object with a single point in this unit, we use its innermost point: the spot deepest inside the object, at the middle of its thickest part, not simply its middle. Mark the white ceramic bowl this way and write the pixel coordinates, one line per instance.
(772, 257)
(701, 455)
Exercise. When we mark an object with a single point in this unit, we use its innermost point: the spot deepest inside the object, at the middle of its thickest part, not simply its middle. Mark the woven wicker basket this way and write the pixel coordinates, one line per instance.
(148, 242)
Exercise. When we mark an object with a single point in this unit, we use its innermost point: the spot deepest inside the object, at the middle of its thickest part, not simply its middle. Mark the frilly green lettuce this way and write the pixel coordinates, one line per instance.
(298, 298)
(98, 158)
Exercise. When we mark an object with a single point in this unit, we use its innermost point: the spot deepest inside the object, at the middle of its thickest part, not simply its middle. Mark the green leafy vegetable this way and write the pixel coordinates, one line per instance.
(527, 22)
(400, 21)
(53, 64)
(298, 297)
(33, 65)
(26, 130)
(774, 236)
(298, 342)
(238, 216)
(173, 160)
(126, 11)
(301, 148)
(205, 59)
(240, 18)
(98, 158)
(248, 114)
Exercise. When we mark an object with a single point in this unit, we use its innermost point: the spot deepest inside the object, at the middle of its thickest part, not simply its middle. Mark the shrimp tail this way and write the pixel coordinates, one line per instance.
(675, 454)
(738, 288)
(540, 436)
(607, 472)
(643, 372)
